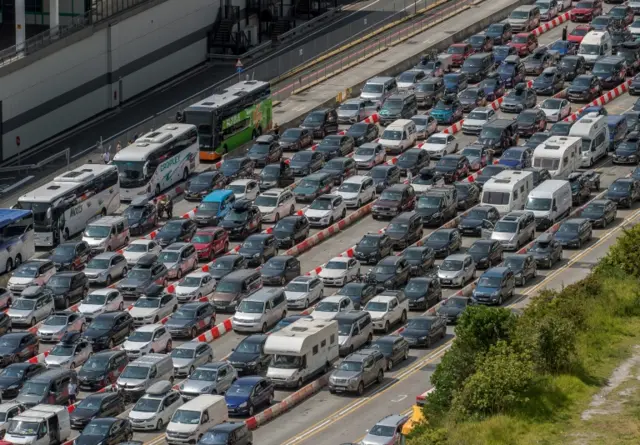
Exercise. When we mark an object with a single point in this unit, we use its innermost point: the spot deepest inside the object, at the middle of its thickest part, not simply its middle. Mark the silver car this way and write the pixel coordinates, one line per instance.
(58, 324)
(35, 304)
(357, 371)
(302, 291)
(212, 378)
(426, 125)
(369, 155)
(355, 110)
(456, 270)
(513, 230)
(409, 79)
(387, 431)
(69, 355)
(188, 356)
(106, 267)
(180, 259)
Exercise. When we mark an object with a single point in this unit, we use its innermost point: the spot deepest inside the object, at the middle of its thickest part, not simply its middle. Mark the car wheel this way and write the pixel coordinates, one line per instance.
(277, 217)
(121, 306)
(251, 410)
(73, 365)
(193, 332)
(403, 317)
(33, 321)
(191, 370)
(360, 389)
(160, 424)
(108, 280)
(500, 300)
(389, 364)
(380, 377)
(406, 354)
(330, 222)
(179, 275)
(264, 328)
(387, 327)
(83, 327)
(358, 204)
(283, 281)
(344, 213)
(270, 401)
(169, 346)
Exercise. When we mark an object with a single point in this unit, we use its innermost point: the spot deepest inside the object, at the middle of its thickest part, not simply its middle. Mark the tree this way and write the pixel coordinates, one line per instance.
(480, 327)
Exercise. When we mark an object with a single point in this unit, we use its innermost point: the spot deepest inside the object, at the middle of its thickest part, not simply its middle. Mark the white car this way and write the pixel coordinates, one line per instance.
(387, 310)
(69, 355)
(339, 271)
(475, 120)
(101, 301)
(357, 190)
(151, 310)
(244, 189)
(330, 307)
(556, 109)
(35, 272)
(155, 408)
(440, 144)
(9, 410)
(276, 203)
(302, 291)
(426, 125)
(138, 248)
(456, 270)
(326, 210)
(634, 28)
(148, 339)
(195, 285)
(179, 259)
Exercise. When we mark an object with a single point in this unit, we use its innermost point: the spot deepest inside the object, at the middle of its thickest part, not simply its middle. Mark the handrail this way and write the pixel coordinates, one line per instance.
(64, 153)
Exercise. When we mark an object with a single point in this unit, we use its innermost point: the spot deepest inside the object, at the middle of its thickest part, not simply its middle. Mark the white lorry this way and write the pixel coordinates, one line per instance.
(387, 310)
(40, 425)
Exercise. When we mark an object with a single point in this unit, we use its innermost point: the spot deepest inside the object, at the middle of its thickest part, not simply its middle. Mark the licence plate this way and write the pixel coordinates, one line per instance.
(446, 281)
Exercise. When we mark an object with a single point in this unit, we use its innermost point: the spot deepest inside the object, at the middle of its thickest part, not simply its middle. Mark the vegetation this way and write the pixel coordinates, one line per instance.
(526, 379)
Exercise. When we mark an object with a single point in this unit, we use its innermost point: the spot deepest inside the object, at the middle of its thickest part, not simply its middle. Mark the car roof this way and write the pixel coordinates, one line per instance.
(149, 327)
(273, 192)
(68, 273)
(194, 305)
(458, 257)
(227, 426)
(249, 380)
(176, 246)
(255, 338)
(213, 365)
(496, 271)
(303, 279)
(244, 181)
(387, 339)
(16, 335)
(340, 259)
(392, 420)
(109, 315)
(190, 345)
(390, 260)
(105, 255)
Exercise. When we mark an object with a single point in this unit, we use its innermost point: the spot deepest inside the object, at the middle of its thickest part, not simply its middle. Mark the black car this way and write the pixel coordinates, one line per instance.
(413, 160)
(259, 248)
(72, 255)
(486, 253)
(102, 369)
(572, 66)
(429, 92)
(243, 220)
(628, 151)
(201, 185)
(536, 139)
(225, 264)
(291, 230)
(404, 230)
(340, 169)
(420, 258)
(306, 162)
(444, 241)
(489, 172)
(17, 347)
(372, 248)
(391, 272)
(384, 175)
(523, 265)
(394, 348)
(96, 406)
(105, 431)
(227, 433)
(249, 357)
(142, 215)
(176, 231)
(633, 120)
(549, 82)
(109, 329)
(620, 36)
(538, 61)
(424, 330)
(546, 250)
(276, 175)
(234, 168)
(280, 269)
(453, 307)
(584, 88)
(295, 139)
(471, 223)
(574, 232)
(561, 128)
(68, 288)
(601, 212)
(437, 206)
(335, 146)
(359, 293)
(634, 87)
(190, 319)
(468, 194)
(531, 121)
(12, 377)
(265, 150)
(423, 292)
(5, 323)
(624, 192)
(500, 33)
(363, 132)
(453, 167)
(580, 189)
(471, 98)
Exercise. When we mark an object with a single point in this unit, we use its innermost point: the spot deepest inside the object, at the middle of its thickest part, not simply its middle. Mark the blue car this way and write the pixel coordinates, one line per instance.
(494, 286)
(288, 320)
(512, 71)
(516, 158)
(455, 82)
(447, 111)
(248, 393)
(501, 52)
(493, 86)
(214, 207)
(564, 47)
(598, 109)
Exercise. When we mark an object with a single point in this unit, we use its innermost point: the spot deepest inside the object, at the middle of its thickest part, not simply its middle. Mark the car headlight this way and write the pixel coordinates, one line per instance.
(207, 388)
(388, 283)
(437, 215)
(174, 267)
(519, 275)
(14, 387)
(354, 380)
(256, 255)
(419, 300)
(422, 338)
(242, 405)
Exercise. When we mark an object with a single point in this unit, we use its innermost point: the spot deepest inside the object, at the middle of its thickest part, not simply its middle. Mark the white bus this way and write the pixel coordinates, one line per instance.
(157, 160)
(560, 155)
(17, 239)
(63, 207)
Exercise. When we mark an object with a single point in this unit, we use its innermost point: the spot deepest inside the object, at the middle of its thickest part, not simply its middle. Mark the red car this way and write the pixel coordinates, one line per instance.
(211, 242)
(585, 10)
(524, 42)
(578, 33)
(459, 53)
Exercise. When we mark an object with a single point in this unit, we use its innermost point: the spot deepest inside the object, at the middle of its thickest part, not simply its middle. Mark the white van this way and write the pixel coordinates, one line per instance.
(508, 190)
(594, 45)
(40, 425)
(107, 234)
(549, 202)
(260, 311)
(594, 131)
(399, 136)
(301, 350)
(194, 418)
(560, 155)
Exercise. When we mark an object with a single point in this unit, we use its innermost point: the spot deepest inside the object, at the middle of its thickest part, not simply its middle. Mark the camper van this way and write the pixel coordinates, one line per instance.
(594, 131)
(594, 45)
(302, 350)
(549, 202)
(508, 190)
(560, 155)
(40, 425)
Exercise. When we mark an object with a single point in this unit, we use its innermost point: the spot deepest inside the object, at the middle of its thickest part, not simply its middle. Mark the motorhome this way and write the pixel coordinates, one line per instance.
(559, 155)
(594, 131)
(40, 425)
(302, 350)
(508, 190)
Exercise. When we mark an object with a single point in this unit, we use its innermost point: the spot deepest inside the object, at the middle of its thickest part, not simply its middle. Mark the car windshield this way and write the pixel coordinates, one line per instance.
(443, 105)
(376, 306)
(327, 306)
(407, 77)
(502, 51)
(96, 363)
(90, 403)
(551, 104)
(97, 231)
(23, 428)
(393, 104)
(477, 115)
(350, 366)
(451, 265)
(27, 270)
(309, 183)
(186, 417)
(344, 328)
(102, 323)
(480, 248)
(602, 69)
(147, 302)
(589, 49)
(191, 281)
(204, 375)
(249, 347)
(297, 287)
(172, 227)
(189, 314)
(237, 189)
(409, 156)
(59, 281)
(372, 88)
(391, 195)
(469, 94)
(455, 302)
(538, 204)
(630, 145)
(514, 263)
(251, 307)
(385, 270)
(64, 251)
(145, 405)
(527, 118)
(209, 207)
(437, 140)
(620, 187)
(439, 236)
(512, 154)
(23, 305)
(419, 323)
(139, 274)
(569, 228)
(62, 350)
(519, 15)
(236, 215)
(202, 238)
(142, 337)
(98, 263)
(137, 248)
(34, 388)
(321, 204)
(57, 320)
(429, 202)
(266, 201)
(183, 353)
(392, 135)
(330, 142)
(223, 264)
(13, 372)
(506, 227)
(519, 39)
(567, 63)
(594, 209)
(452, 79)
(490, 133)
(491, 282)
(456, 49)
(447, 162)
(285, 225)
(229, 287)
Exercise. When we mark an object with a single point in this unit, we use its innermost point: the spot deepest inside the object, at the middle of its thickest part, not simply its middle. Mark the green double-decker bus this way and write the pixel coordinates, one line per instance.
(227, 120)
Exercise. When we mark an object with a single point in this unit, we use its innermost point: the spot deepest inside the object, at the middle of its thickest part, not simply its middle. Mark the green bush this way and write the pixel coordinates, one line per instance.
(624, 255)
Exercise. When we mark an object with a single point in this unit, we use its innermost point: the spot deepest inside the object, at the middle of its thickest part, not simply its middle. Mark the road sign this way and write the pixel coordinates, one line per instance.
(239, 64)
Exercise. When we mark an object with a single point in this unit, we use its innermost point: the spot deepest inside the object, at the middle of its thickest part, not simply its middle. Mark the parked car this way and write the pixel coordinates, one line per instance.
(108, 330)
(424, 330)
(247, 394)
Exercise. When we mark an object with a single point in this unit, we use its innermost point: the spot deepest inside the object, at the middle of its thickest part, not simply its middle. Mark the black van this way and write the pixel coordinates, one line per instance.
(50, 387)
(321, 122)
(404, 230)
(312, 186)
(478, 66)
(499, 135)
(398, 106)
(102, 369)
